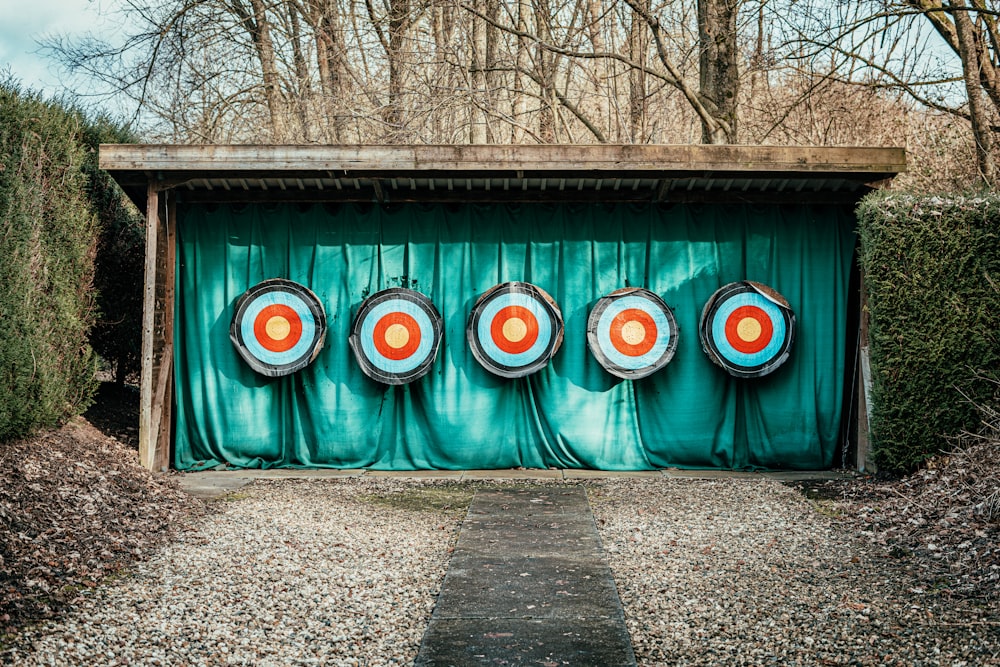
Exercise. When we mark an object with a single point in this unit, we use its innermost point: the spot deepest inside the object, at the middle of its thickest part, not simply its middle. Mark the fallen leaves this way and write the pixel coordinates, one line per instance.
(75, 507)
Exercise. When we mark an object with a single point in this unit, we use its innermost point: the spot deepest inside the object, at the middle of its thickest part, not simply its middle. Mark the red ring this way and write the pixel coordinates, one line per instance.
(751, 346)
(633, 315)
(510, 346)
(265, 316)
(396, 353)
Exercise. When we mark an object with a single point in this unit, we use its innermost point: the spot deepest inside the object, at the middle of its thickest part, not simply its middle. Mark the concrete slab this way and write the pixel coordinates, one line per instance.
(549, 587)
(528, 584)
(416, 474)
(524, 641)
(216, 483)
(209, 485)
(611, 474)
(532, 473)
(777, 475)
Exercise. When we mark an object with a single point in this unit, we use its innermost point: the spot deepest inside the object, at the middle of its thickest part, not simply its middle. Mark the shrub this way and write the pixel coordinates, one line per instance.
(47, 246)
(932, 272)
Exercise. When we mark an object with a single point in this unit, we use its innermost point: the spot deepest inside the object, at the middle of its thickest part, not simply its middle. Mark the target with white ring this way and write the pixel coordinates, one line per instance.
(632, 333)
(747, 329)
(396, 335)
(278, 327)
(514, 329)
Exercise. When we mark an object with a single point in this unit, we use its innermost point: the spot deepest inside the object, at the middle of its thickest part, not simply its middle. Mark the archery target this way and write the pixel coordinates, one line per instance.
(747, 328)
(278, 327)
(514, 329)
(632, 333)
(396, 335)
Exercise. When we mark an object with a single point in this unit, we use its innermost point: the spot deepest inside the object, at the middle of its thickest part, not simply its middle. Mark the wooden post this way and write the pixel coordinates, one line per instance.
(156, 388)
(147, 437)
(862, 457)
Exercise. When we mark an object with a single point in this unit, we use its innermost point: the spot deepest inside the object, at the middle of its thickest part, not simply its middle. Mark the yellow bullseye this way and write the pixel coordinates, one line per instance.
(633, 332)
(748, 329)
(278, 328)
(397, 336)
(515, 329)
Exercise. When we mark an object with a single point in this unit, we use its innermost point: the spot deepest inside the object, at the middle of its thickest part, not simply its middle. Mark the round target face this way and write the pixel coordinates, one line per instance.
(396, 335)
(632, 333)
(514, 329)
(278, 327)
(747, 328)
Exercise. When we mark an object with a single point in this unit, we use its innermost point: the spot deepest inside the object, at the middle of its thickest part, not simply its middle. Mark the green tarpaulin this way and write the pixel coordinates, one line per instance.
(571, 414)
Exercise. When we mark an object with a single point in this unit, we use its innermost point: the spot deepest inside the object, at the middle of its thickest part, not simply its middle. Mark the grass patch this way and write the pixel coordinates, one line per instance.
(449, 499)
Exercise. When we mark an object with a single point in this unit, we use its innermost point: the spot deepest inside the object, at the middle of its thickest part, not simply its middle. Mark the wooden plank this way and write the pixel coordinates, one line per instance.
(862, 458)
(147, 437)
(561, 158)
(165, 280)
(831, 198)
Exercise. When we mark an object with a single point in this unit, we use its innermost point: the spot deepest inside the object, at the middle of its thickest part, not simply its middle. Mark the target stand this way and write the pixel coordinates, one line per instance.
(747, 329)
(632, 333)
(514, 329)
(396, 335)
(278, 327)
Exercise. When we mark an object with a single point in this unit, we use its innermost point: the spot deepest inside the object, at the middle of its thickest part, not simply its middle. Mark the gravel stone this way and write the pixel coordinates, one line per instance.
(345, 572)
(289, 573)
(751, 572)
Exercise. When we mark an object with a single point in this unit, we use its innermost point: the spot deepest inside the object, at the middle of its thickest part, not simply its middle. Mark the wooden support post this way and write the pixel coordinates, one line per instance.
(156, 388)
(862, 457)
(147, 438)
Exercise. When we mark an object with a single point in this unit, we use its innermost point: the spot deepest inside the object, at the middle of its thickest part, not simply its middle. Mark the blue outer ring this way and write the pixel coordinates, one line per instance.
(491, 357)
(286, 292)
(493, 308)
(362, 342)
(713, 331)
(664, 332)
(730, 353)
(419, 356)
(301, 349)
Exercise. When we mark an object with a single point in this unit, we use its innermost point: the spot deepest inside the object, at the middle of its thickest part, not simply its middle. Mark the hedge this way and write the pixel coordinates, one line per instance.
(47, 246)
(932, 274)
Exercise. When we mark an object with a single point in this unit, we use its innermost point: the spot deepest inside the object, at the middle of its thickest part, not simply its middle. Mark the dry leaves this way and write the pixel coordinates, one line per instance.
(75, 507)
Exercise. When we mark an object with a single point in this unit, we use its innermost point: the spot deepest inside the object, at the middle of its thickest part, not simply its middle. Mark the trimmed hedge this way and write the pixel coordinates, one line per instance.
(47, 247)
(932, 272)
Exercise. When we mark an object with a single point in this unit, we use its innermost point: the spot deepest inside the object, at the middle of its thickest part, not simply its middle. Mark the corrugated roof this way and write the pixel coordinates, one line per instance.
(499, 173)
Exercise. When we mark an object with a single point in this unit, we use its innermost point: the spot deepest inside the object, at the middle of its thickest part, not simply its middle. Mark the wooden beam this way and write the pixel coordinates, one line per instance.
(147, 437)
(863, 461)
(527, 158)
(156, 388)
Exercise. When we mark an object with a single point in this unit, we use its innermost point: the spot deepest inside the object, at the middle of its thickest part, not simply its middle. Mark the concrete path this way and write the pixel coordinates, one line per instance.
(214, 483)
(528, 585)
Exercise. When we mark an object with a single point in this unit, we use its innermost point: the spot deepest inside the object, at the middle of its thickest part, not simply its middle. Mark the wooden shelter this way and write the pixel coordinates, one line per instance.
(159, 178)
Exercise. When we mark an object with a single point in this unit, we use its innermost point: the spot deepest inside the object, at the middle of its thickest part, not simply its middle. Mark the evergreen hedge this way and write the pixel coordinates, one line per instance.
(47, 246)
(932, 272)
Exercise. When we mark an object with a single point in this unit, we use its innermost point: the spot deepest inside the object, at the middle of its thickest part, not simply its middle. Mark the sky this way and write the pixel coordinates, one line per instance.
(24, 22)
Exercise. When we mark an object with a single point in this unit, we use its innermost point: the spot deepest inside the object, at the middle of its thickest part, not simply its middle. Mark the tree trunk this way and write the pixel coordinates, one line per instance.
(719, 72)
(331, 65)
(399, 22)
(477, 76)
(638, 43)
(972, 73)
(258, 27)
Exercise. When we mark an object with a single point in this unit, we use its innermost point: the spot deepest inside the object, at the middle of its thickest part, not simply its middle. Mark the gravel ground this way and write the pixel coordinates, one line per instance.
(344, 572)
(288, 573)
(737, 572)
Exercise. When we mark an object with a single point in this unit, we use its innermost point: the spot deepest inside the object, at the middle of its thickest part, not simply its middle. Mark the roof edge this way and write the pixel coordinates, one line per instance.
(468, 158)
